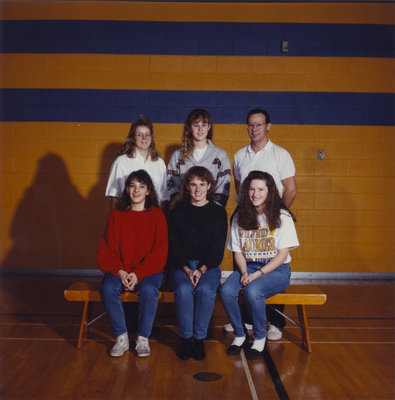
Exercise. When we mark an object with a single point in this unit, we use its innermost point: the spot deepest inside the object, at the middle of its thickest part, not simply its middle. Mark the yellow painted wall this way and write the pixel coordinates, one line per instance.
(53, 175)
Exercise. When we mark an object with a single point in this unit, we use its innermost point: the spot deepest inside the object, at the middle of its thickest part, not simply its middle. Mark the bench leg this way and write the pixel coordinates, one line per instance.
(83, 323)
(304, 327)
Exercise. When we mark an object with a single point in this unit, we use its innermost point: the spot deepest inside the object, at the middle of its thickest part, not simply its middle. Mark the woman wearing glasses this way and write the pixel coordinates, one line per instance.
(138, 152)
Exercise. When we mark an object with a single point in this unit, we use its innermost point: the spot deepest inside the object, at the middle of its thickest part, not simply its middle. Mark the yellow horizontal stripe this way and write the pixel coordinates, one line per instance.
(365, 13)
(224, 73)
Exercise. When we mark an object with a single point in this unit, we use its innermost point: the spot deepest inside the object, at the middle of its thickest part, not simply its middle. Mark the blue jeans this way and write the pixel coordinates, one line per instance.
(147, 290)
(194, 307)
(255, 294)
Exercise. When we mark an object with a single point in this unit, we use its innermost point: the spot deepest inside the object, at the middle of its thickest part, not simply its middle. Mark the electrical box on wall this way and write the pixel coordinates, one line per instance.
(284, 46)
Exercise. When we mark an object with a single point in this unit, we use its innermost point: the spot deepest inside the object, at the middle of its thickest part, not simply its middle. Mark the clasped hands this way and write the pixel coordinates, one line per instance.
(247, 278)
(129, 280)
(193, 275)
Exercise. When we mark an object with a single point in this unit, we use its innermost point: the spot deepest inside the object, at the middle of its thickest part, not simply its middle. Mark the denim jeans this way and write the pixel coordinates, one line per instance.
(194, 307)
(147, 290)
(255, 294)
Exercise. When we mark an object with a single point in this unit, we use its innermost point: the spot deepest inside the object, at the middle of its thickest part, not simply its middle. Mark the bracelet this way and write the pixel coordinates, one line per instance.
(200, 270)
(261, 272)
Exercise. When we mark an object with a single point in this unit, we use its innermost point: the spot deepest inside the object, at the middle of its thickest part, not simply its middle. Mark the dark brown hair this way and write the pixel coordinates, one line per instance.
(124, 203)
(201, 173)
(247, 215)
(258, 111)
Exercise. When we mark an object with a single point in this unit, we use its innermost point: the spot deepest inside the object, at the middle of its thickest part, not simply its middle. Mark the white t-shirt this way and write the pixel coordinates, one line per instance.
(272, 159)
(199, 153)
(261, 245)
(123, 166)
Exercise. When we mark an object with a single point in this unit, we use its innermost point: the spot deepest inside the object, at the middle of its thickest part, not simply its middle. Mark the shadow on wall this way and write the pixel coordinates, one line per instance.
(169, 151)
(97, 207)
(53, 225)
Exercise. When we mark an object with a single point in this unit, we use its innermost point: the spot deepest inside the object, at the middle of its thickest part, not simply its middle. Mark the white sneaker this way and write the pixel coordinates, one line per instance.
(121, 345)
(142, 347)
(273, 333)
(229, 327)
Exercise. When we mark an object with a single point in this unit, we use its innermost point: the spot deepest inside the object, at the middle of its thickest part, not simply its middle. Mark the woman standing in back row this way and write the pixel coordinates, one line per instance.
(198, 149)
(138, 152)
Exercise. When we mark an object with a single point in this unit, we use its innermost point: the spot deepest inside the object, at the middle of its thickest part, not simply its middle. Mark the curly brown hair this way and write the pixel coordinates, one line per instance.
(201, 173)
(124, 203)
(247, 214)
(187, 138)
(129, 147)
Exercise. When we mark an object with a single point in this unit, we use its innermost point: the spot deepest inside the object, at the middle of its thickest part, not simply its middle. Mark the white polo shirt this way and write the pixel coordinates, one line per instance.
(272, 159)
(123, 166)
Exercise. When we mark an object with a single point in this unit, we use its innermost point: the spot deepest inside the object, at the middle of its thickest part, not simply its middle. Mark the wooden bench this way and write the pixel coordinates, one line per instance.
(299, 295)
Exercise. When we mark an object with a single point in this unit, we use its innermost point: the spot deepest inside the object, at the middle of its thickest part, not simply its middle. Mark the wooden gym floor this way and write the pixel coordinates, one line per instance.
(353, 337)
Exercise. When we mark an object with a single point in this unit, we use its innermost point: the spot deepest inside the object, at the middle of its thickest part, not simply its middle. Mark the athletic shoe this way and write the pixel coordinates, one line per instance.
(229, 328)
(121, 345)
(274, 333)
(142, 347)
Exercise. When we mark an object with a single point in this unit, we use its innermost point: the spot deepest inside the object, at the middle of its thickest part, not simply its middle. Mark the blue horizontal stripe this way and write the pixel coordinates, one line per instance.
(197, 38)
(302, 108)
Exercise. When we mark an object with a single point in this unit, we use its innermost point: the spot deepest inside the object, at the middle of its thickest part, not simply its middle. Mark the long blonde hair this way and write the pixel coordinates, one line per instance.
(129, 147)
(187, 138)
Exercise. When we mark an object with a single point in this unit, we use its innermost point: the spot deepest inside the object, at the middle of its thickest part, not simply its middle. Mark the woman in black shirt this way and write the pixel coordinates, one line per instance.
(197, 235)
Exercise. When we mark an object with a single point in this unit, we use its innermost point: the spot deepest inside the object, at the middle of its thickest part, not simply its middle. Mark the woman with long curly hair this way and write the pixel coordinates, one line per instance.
(132, 254)
(261, 236)
(138, 152)
(198, 149)
(197, 235)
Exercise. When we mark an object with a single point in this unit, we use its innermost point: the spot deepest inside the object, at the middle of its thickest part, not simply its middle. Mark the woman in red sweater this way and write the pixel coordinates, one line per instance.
(132, 254)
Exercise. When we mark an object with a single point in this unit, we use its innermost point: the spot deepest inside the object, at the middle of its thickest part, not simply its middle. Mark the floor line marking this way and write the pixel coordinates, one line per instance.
(248, 376)
(276, 378)
(367, 328)
(175, 340)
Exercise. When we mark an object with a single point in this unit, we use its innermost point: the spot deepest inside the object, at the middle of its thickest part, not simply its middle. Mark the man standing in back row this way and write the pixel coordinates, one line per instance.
(263, 155)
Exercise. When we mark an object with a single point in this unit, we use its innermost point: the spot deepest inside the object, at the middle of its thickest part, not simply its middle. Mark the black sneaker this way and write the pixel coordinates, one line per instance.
(185, 350)
(252, 354)
(198, 350)
(234, 350)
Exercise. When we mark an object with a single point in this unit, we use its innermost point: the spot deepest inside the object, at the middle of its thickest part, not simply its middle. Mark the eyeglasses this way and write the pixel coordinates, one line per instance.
(143, 135)
(251, 126)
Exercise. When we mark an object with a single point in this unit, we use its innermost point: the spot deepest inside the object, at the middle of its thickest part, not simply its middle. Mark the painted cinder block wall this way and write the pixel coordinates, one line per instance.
(68, 103)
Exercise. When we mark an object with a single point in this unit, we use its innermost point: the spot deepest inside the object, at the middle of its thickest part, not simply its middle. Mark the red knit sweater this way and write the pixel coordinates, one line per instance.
(135, 241)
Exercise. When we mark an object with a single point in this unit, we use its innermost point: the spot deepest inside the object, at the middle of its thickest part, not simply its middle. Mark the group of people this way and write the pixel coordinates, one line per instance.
(140, 240)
